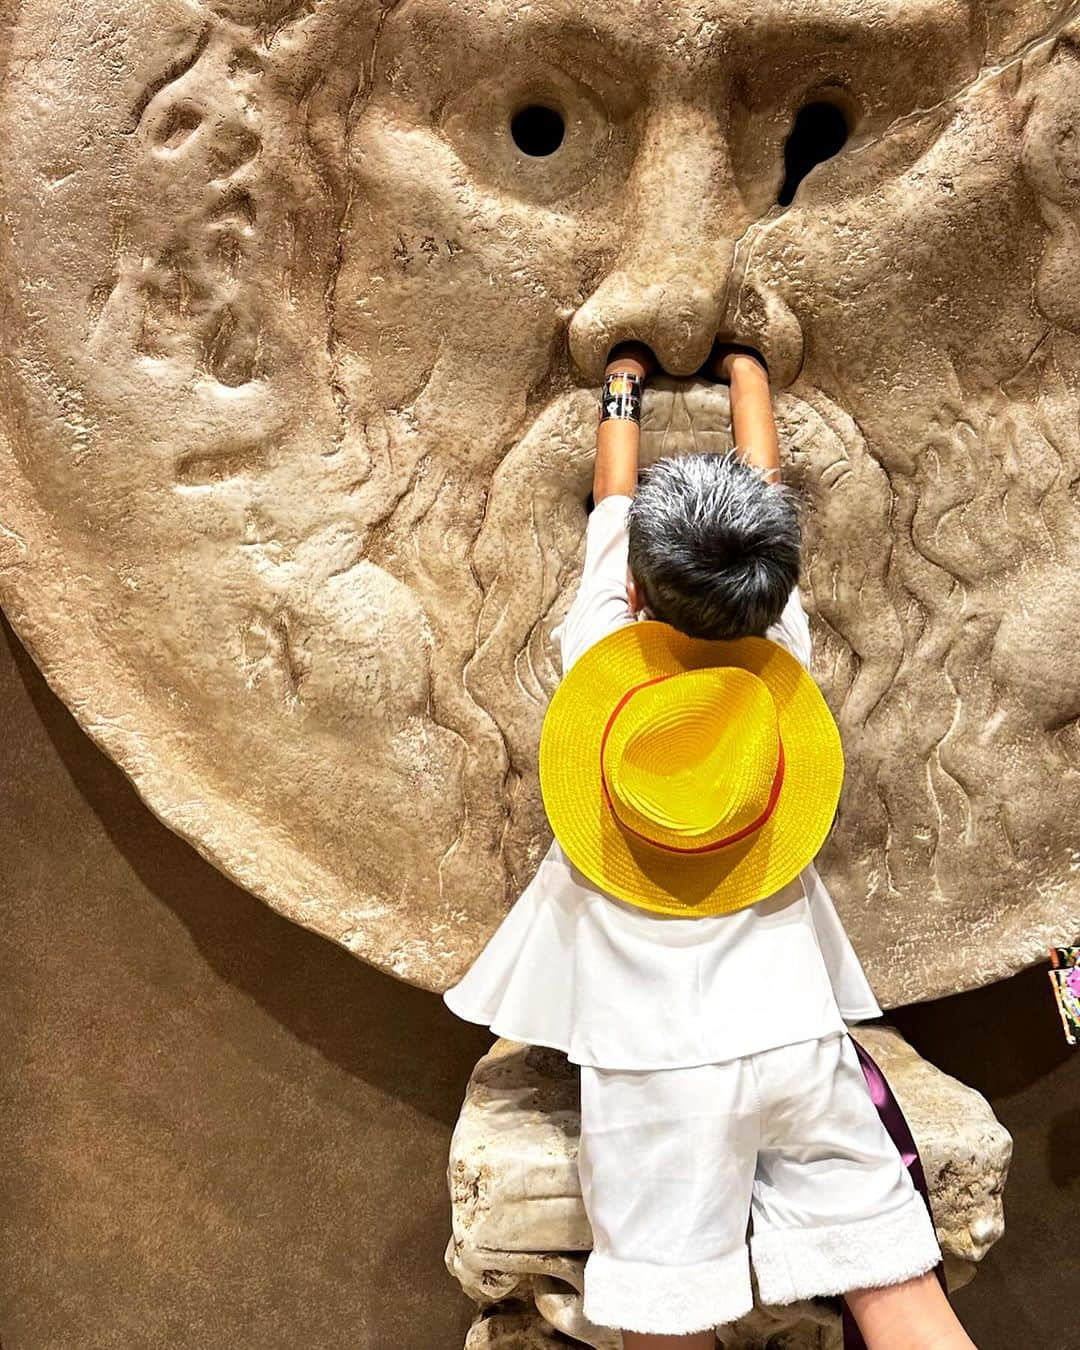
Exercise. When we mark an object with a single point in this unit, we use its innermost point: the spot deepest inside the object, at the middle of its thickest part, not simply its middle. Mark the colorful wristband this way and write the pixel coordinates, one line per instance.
(621, 396)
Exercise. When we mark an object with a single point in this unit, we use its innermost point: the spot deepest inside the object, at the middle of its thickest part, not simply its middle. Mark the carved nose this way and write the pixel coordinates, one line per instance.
(677, 317)
(680, 216)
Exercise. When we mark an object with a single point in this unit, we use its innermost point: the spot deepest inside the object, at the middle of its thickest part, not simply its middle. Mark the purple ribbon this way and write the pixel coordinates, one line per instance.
(888, 1108)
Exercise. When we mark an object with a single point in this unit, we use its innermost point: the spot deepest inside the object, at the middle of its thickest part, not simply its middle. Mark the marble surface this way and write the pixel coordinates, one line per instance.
(300, 341)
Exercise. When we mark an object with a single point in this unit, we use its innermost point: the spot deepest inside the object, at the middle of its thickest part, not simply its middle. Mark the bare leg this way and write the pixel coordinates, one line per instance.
(695, 1340)
(914, 1315)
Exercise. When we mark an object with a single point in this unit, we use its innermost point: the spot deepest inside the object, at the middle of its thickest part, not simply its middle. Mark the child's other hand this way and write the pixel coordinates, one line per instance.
(729, 357)
(632, 356)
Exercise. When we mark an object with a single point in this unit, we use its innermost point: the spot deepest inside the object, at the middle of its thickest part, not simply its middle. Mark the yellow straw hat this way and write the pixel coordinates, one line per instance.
(689, 776)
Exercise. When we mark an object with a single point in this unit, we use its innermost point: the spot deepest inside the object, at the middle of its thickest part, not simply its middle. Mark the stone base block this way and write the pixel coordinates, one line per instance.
(521, 1236)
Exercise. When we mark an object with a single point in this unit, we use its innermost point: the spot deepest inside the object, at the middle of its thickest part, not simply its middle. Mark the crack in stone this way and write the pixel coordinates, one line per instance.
(337, 258)
(985, 75)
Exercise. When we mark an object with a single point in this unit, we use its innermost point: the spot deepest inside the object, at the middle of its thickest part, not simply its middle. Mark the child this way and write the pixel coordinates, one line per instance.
(676, 942)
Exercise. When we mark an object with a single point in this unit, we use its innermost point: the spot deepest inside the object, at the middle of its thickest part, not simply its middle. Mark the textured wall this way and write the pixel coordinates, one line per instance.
(297, 399)
(216, 1129)
(219, 1130)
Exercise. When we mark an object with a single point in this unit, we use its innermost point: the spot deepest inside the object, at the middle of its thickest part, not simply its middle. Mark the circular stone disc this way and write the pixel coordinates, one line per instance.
(300, 353)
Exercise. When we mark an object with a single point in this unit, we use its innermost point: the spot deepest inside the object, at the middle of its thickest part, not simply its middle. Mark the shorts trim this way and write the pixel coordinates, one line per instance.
(805, 1262)
(667, 1300)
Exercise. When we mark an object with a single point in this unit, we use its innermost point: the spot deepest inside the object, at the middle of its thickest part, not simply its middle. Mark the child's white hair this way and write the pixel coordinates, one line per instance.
(713, 545)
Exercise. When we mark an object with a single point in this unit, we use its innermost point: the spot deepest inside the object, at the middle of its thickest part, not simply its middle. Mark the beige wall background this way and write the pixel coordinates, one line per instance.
(219, 1130)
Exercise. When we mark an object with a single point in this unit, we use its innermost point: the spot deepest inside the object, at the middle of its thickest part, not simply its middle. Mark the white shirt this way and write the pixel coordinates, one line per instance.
(621, 987)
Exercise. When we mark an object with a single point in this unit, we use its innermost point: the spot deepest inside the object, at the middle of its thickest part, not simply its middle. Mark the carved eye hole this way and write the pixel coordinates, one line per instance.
(820, 131)
(537, 130)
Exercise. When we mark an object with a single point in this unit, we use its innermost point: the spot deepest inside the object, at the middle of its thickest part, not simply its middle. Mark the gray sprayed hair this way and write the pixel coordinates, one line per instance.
(713, 545)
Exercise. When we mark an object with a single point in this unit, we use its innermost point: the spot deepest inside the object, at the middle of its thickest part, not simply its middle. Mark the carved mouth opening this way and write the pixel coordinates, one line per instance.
(680, 417)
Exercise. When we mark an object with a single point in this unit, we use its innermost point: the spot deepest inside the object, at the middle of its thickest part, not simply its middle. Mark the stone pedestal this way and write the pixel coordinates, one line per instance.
(521, 1235)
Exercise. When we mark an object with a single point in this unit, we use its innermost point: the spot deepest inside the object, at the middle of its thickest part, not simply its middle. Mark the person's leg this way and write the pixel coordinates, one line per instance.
(835, 1210)
(697, 1340)
(911, 1315)
(666, 1160)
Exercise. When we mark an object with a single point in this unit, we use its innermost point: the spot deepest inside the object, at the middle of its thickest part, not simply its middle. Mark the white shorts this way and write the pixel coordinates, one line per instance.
(674, 1162)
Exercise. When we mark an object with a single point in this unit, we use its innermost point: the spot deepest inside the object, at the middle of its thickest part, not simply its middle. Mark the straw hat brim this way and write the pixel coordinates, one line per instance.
(658, 879)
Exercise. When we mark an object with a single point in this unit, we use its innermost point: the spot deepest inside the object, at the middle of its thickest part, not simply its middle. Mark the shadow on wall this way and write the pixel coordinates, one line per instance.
(219, 1128)
(392, 1035)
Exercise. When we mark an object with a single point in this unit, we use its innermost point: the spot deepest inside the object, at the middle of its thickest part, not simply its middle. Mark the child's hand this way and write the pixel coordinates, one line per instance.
(632, 356)
(729, 357)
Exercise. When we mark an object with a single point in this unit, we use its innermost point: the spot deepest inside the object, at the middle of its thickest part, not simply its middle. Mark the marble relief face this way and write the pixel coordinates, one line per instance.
(300, 405)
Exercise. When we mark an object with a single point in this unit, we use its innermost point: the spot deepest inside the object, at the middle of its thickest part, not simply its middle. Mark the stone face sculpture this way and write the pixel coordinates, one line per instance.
(302, 327)
(520, 1232)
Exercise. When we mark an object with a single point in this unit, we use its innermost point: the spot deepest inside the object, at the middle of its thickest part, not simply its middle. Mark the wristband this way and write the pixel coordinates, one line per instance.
(621, 396)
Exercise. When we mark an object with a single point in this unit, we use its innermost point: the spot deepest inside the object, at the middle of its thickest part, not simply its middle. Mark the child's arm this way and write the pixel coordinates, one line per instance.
(752, 424)
(618, 439)
(754, 432)
(602, 602)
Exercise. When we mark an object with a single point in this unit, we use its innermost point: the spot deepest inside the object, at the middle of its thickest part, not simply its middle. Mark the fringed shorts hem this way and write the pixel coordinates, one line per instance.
(797, 1263)
(667, 1300)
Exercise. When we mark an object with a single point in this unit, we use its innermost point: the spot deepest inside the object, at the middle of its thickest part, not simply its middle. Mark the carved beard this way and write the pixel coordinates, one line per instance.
(943, 659)
(911, 579)
(496, 575)
(939, 645)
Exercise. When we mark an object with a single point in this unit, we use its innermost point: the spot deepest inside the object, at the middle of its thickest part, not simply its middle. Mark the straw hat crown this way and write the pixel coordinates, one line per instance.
(685, 775)
(691, 760)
